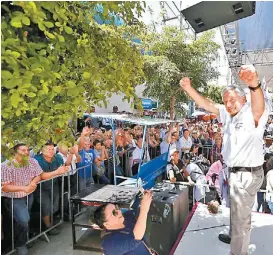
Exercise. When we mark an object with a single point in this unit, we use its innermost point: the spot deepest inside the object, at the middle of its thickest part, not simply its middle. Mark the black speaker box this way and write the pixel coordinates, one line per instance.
(166, 218)
(210, 14)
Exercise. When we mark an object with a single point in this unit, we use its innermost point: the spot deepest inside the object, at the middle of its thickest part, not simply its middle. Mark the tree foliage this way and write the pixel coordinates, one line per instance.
(214, 93)
(172, 59)
(56, 61)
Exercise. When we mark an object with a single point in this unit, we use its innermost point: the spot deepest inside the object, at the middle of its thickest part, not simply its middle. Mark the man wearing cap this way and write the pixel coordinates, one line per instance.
(176, 170)
(243, 129)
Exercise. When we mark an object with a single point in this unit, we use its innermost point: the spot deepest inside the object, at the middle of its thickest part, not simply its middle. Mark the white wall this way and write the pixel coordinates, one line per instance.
(116, 100)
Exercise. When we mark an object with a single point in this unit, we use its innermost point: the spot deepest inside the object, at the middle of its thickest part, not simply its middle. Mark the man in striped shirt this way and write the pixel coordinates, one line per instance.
(19, 179)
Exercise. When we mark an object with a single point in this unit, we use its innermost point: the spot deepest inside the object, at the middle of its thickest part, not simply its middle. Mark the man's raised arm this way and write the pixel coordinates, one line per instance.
(203, 102)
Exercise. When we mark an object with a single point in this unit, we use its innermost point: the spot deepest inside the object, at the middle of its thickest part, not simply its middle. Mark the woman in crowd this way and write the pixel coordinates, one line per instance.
(215, 154)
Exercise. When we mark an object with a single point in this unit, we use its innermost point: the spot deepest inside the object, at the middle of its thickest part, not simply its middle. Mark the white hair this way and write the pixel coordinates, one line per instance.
(237, 89)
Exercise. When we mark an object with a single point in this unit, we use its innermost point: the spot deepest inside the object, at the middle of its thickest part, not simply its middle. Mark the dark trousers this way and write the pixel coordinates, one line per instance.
(21, 216)
(73, 191)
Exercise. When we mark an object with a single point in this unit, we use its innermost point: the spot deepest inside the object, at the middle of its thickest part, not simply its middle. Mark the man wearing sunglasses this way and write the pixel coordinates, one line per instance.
(123, 235)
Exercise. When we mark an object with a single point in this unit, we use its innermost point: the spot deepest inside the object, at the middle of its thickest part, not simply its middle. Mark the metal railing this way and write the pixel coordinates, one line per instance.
(42, 232)
(38, 197)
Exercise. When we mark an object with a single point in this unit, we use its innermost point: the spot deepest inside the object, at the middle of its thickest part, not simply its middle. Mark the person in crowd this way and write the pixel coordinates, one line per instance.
(195, 138)
(110, 162)
(215, 154)
(268, 144)
(243, 128)
(197, 157)
(176, 170)
(206, 145)
(170, 142)
(153, 145)
(48, 191)
(99, 167)
(88, 157)
(122, 234)
(224, 186)
(201, 133)
(185, 142)
(19, 179)
(163, 132)
(210, 131)
(70, 158)
(121, 144)
(115, 109)
(197, 176)
(213, 174)
(269, 128)
(269, 184)
(157, 134)
(106, 124)
(137, 154)
(194, 152)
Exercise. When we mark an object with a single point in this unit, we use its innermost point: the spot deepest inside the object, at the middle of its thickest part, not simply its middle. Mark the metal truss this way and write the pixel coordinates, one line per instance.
(236, 57)
(262, 57)
(175, 14)
(230, 36)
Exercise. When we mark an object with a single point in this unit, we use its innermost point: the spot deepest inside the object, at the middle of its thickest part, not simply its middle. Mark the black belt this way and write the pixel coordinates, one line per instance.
(244, 169)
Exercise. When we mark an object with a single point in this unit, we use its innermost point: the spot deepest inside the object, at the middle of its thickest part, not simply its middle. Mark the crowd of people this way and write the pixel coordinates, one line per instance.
(194, 156)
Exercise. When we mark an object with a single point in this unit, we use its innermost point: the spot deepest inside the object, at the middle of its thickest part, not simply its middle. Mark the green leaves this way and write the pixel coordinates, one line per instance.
(172, 59)
(26, 21)
(56, 62)
(16, 22)
(57, 89)
(31, 94)
(6, 75)
(68, 30)
(14, 99)
(86, 75)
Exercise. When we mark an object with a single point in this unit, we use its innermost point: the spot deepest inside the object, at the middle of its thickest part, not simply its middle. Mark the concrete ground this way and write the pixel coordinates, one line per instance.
(60, 244)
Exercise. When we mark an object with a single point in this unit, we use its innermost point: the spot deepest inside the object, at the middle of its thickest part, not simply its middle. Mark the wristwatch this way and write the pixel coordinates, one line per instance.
(255, 88)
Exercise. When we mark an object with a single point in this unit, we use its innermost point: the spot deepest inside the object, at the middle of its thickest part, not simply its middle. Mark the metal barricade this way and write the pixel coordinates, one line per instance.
(38, 197)
(154, 152)
(39, 194)
(206, 151)
(76, 187)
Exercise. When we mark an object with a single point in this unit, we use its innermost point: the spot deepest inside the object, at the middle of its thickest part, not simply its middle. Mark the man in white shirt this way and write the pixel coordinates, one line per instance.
(137, 155)
(243, 128)
(185, 142)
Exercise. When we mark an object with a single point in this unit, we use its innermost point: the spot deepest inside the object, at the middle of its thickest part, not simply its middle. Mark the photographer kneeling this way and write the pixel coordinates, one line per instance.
(122, 234)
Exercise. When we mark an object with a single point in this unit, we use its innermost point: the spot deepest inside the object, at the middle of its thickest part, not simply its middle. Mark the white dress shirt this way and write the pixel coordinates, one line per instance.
(242, 141)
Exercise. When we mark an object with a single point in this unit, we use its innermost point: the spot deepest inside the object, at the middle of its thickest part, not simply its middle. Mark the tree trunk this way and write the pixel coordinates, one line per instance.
(172, 108)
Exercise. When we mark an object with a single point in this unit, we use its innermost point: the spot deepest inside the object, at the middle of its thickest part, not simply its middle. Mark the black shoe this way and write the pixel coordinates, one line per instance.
(224, 238)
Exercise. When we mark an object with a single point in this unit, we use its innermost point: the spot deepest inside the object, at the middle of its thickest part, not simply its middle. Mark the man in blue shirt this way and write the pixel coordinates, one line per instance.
(49, 162)
(124, 236)
(88, 158)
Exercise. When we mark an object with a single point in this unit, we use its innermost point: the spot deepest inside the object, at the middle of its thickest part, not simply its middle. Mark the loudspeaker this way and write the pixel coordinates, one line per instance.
(210, 14)
(166, 218)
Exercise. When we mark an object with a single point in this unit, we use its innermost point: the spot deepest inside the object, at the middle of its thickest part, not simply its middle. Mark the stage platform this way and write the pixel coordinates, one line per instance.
(200, 234)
